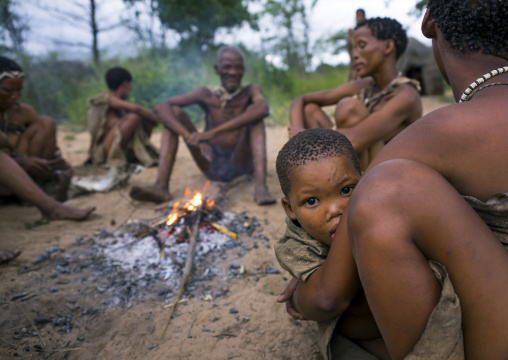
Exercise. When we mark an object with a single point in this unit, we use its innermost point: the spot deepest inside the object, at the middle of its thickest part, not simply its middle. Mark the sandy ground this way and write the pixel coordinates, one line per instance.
(260, 329)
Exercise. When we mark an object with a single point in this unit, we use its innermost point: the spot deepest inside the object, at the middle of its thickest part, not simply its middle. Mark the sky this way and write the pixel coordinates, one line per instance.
(48, 34)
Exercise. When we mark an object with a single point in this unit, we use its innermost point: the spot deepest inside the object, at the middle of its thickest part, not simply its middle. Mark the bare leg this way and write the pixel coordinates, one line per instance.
(127, 125)
(258, 145)
(159, 191)
(415, 215)
(348, 113)
(14, 178)
(313, 117)
(39, 139)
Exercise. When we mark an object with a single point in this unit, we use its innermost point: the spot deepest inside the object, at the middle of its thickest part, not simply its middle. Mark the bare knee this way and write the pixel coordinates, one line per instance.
(349, 111)
(310, 110)
(384, 201)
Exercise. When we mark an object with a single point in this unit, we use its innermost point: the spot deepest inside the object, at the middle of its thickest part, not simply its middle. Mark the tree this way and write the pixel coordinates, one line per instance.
(12, 28)
(197, 21)
(83, 15)
(293, 46)
(145, 22)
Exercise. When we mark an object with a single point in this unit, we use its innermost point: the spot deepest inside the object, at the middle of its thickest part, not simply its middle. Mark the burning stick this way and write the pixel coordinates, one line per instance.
(188, 266)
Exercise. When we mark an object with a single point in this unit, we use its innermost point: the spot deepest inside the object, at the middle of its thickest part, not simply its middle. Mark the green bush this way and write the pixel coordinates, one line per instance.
(60, 88)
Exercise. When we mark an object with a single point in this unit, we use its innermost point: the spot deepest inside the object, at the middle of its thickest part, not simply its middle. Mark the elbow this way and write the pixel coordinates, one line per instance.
(327, 307)
(332, 305)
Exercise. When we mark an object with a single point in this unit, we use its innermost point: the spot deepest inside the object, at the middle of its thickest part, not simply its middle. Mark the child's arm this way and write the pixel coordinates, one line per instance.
(142, 111)
(328, 292)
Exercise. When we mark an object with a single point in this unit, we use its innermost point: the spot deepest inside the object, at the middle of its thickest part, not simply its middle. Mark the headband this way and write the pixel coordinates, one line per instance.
(11, 75)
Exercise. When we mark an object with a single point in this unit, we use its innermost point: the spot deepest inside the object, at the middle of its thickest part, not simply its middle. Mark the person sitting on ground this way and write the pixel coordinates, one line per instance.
(318, 170)
(15, 181)
(425, 232)
(31, 139)
(233, 142)
(372, 110)
(120, 130)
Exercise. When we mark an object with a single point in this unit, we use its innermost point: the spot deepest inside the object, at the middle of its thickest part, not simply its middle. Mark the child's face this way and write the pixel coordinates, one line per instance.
(320, 192)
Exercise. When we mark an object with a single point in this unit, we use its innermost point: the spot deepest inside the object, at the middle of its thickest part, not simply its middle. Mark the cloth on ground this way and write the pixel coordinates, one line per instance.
(442, 337)
(139, 149)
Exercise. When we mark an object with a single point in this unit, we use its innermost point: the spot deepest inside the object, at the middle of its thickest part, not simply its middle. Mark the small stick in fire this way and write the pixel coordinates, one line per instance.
(188, 265)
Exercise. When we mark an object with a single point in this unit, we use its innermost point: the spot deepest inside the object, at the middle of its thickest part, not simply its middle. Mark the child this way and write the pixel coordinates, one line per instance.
(318, 170)
(120, 129)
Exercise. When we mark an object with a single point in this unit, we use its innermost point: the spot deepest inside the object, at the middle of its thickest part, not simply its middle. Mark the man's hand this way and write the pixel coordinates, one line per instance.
(196, 137)
(287, 296)
(36, 167)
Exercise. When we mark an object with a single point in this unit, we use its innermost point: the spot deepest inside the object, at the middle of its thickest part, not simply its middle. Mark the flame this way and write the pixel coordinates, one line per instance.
(191, 205)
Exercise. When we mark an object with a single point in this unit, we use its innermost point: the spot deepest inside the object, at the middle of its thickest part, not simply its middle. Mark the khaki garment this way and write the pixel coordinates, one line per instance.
(442, 338)
(139, 149)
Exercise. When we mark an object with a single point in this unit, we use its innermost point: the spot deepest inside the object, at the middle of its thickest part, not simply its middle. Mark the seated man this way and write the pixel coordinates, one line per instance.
(120, 129)
(31, 139)
(372, 110)
(233, 142)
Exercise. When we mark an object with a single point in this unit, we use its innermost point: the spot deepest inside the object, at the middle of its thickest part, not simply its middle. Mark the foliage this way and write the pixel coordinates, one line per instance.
(420, 7)
(197, 21)
(12, 28)
(291, 16)
(60, 88)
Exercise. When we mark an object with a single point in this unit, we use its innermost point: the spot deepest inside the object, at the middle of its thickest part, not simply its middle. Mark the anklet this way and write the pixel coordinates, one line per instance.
(469, 91)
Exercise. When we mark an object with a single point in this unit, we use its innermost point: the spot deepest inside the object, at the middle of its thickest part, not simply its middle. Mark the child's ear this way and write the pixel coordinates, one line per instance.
(287, 208)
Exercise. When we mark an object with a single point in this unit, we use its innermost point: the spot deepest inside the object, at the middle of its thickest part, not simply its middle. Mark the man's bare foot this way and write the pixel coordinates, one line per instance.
(262, 196)
(65, 212)
(150, 193)
(6, 255)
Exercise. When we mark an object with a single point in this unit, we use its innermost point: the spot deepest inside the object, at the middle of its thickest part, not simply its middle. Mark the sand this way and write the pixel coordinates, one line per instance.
(260, 329)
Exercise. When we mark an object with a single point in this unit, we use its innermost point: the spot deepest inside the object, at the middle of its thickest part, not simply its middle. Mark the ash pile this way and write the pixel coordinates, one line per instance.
(132, 262)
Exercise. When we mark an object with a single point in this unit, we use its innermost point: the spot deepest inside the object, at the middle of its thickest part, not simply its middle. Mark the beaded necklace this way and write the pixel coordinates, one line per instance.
(470, 90)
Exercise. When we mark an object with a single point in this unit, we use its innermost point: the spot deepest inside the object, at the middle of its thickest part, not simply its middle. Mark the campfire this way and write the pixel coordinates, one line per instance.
(176, 228)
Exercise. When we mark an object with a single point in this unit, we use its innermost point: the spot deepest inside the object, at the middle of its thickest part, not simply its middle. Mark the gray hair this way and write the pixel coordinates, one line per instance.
(229, 48)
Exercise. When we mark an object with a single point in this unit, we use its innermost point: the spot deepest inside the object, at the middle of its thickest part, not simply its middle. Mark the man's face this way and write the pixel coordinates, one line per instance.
(368, 53)
(320, 192)
(10, 91)
(230, 70)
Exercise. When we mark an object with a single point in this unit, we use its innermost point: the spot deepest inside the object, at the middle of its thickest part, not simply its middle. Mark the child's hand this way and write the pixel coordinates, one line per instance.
(287, 297)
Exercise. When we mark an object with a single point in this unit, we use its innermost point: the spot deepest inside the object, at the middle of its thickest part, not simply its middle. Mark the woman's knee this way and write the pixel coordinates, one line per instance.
(349, 111)
(310, 110)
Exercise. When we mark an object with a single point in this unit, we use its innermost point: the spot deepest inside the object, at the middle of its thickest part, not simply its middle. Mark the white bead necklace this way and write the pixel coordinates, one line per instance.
(469, 90)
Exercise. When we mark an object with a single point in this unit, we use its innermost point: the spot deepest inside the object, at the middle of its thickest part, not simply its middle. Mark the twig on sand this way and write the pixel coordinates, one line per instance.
(187, 268)
(33, 325)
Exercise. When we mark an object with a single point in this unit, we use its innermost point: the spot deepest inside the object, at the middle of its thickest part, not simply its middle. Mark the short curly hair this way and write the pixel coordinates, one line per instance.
(116, 76)
(472, 25)
(312, 145)
(385, 29)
